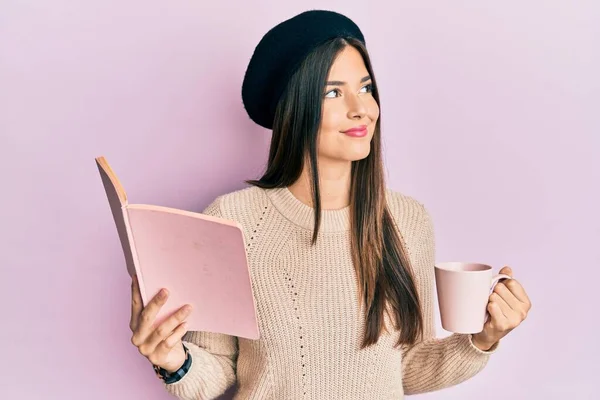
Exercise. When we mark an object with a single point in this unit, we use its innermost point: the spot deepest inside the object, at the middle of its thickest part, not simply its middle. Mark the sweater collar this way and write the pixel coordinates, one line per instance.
(303, 215)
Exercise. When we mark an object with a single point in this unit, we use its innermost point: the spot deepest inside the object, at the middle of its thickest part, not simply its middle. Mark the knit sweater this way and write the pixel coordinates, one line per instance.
(309, 313)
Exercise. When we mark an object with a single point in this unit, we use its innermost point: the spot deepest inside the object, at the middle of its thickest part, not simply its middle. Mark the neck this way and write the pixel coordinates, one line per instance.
(334, 185)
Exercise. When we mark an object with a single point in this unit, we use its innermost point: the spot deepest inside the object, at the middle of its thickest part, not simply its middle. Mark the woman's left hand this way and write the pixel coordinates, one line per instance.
(508, 306)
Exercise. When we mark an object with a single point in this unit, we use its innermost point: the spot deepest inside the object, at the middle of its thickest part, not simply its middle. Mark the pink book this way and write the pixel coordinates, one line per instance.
(200, 259)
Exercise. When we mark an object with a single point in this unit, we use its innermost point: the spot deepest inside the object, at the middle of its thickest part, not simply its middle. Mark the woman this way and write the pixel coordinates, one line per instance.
(341, 266)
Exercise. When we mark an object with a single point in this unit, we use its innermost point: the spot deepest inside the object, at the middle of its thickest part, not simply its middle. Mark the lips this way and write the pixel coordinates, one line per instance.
(358, 131)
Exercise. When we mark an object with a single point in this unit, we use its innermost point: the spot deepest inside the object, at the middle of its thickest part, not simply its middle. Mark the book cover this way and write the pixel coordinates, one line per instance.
(199, 258)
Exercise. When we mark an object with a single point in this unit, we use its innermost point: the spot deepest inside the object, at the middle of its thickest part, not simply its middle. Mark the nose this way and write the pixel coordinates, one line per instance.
(356, 107)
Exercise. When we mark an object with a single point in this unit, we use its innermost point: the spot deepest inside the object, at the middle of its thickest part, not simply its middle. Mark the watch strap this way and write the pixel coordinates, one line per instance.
(175, 376)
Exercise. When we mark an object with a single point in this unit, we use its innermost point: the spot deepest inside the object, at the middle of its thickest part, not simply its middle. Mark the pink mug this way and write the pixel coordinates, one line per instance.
(463, 291)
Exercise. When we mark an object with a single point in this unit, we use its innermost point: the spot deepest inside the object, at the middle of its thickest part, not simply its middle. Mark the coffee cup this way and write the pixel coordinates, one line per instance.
(463, 291)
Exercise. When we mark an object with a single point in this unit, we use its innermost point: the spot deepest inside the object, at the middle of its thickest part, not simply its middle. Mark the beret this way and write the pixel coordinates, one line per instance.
(280, 52)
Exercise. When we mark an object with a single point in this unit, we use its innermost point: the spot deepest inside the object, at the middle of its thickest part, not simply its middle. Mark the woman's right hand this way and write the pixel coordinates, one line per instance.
(161, 345)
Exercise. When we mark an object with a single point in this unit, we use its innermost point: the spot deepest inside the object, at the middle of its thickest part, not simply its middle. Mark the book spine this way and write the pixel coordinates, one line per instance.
(134, 256)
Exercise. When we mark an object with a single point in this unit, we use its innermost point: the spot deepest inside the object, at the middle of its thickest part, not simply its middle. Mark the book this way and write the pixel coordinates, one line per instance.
(200, 259)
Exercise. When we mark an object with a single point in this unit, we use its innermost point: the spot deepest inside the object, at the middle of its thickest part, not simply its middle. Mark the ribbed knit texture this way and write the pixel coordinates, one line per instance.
(309, 316)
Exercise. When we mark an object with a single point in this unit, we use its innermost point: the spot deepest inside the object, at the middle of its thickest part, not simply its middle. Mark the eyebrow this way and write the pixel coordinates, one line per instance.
(341, 83)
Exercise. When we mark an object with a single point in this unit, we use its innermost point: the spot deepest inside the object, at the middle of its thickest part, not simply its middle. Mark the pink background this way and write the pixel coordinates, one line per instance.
(490, 116)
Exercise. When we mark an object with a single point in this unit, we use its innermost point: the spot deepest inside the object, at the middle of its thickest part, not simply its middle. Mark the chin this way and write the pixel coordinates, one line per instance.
(357, 156)
(354, 153)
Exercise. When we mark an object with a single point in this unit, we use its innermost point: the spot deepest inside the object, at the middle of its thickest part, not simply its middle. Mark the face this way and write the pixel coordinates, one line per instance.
(347, 103)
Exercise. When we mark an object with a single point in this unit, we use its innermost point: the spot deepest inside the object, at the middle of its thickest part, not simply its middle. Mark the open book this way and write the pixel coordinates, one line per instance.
(200, 259)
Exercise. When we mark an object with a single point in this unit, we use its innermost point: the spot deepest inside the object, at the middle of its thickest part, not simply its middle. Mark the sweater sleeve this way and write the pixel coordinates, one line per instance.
(214, 357)
(434, 364)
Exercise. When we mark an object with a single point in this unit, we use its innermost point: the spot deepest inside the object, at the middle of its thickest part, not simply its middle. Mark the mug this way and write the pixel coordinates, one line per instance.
(463, 291)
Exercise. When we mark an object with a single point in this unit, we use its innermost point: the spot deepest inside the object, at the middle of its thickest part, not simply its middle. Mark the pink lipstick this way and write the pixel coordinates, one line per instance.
(359, 131)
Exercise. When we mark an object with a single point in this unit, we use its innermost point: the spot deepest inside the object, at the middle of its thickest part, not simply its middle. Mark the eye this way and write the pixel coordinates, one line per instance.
(332, 91)
(369, 88)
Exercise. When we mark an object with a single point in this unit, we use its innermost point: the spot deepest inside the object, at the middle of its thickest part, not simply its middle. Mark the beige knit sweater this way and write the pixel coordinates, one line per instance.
(309, 316)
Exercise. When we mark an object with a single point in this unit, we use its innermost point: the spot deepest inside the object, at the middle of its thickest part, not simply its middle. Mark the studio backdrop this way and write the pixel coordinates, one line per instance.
(490, 117)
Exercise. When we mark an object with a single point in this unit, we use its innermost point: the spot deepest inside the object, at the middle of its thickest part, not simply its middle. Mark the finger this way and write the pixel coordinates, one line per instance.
(497, 318)
(513, 316)
(517, 290)
(506, 309)
(136, 303)
(507, 271)
(148, 314)
(171, 341)
(506, 295)
(165, 329)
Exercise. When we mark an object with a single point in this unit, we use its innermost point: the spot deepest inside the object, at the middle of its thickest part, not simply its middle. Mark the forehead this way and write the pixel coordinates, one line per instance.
(349, 65)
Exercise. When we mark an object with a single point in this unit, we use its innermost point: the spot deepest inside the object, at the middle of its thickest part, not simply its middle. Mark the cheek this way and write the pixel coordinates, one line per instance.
(334, 115)
(332, 118)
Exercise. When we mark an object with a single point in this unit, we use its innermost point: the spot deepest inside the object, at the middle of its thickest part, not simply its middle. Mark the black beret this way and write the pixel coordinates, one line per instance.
(280, 52)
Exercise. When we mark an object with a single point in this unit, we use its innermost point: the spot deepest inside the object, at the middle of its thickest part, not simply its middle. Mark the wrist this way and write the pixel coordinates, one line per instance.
(480, 343)
(171, 376)
(171, 369)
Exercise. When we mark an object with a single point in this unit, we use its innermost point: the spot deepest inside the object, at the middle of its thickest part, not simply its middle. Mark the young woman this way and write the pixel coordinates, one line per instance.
(341, 266)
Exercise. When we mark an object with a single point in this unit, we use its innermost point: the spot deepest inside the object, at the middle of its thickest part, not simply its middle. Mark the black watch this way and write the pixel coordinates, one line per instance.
(173, 377)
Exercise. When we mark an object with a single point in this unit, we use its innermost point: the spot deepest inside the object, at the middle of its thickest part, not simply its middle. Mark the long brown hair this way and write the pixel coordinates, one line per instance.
(380, 259)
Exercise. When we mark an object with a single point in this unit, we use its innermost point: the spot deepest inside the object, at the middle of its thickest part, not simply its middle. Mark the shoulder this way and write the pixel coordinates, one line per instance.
(234, 205)
(403, 204)
(416, 228)
(411, 215)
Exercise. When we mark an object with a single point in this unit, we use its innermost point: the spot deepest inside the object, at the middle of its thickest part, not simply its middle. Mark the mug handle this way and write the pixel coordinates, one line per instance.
(495, 280)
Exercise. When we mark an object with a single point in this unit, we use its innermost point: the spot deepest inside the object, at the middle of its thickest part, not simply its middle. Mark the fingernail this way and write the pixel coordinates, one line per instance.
(163, 293)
